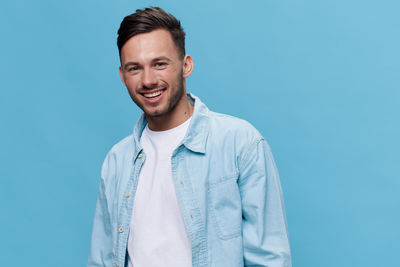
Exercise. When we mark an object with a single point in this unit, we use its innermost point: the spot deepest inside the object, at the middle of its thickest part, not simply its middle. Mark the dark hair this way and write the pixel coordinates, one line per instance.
(150, 19)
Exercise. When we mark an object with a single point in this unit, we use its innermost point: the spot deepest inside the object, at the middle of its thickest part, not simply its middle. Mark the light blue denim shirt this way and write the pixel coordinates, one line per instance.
(227, 187)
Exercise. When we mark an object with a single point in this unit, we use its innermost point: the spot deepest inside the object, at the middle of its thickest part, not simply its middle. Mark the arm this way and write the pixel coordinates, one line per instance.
(101, 244)
(265, 237)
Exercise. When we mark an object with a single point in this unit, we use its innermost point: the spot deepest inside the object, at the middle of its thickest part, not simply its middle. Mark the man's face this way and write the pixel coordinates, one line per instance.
(153, 72)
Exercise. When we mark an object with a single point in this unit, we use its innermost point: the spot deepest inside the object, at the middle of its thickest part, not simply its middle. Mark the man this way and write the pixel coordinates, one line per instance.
(189, 187)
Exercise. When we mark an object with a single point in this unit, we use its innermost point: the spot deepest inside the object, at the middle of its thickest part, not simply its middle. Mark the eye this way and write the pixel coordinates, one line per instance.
(133, 68)
(161, 65)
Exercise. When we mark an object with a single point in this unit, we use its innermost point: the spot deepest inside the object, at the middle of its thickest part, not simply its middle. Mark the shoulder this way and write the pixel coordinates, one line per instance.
(120, 153)
(227, 126)
(122, 146)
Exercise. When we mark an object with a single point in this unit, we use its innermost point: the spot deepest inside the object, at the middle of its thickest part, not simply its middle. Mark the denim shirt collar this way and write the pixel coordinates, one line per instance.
(196, 135)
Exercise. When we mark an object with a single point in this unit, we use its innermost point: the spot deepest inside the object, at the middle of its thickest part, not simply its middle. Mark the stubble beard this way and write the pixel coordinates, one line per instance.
(175, 98)
(172, 102)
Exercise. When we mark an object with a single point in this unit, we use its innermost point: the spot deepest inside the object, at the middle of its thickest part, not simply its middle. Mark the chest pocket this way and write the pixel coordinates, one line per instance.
(225, 208)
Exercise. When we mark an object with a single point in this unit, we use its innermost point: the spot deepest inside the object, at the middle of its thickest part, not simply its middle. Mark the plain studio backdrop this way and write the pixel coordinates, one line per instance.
(318, 78)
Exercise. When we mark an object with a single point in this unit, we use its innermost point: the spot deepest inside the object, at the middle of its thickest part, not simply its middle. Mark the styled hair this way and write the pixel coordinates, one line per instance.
(150, 19)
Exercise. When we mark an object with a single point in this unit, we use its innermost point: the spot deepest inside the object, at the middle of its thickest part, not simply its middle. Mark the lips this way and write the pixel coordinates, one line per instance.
(153, 94)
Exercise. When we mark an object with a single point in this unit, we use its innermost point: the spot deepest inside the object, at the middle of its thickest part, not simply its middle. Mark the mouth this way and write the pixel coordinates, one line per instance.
(153, 94)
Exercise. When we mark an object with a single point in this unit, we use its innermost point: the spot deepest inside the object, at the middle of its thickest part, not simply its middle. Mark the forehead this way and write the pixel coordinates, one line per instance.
(147, 46)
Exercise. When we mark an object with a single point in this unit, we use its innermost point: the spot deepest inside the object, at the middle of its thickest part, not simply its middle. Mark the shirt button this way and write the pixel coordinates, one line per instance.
(121, 229)
(116, 265)
(140, 155)
(128, 194)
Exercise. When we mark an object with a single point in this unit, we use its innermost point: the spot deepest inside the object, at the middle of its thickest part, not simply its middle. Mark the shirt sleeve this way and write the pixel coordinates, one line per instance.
(101, 244)
(265, 236)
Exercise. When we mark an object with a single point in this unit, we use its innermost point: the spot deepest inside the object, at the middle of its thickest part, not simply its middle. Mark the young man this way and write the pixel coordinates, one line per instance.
(189, 187)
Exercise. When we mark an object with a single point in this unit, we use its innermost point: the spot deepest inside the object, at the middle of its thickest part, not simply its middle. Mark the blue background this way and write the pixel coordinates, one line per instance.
(319, 79)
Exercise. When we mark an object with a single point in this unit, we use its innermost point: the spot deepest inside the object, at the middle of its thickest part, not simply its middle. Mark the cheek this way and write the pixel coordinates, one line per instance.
(171, 77)
(131, 83)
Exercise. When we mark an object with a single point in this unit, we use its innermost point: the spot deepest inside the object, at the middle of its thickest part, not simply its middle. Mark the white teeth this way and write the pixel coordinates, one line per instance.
(153, 94)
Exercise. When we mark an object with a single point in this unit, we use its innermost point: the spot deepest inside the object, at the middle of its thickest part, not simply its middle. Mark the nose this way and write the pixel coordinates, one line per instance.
(149, 79)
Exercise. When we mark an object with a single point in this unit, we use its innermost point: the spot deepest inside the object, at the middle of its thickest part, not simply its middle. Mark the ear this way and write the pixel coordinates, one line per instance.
(121, 74)
(187, 66)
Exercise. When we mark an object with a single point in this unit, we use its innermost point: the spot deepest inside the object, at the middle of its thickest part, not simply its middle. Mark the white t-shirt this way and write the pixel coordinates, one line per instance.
(157, 234)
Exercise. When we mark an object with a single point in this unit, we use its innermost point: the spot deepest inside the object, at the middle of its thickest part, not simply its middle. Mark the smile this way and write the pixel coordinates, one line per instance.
(154, 94)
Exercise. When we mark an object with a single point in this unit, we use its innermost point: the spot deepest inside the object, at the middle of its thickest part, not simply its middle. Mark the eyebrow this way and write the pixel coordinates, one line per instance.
(161, 58)
(153, 60)
(129, 64)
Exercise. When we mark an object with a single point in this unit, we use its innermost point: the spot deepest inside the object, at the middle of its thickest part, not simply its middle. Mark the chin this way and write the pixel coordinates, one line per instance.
(154, 113)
